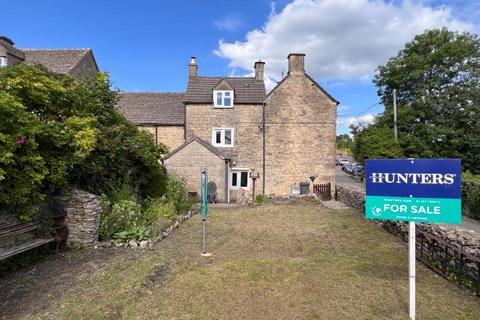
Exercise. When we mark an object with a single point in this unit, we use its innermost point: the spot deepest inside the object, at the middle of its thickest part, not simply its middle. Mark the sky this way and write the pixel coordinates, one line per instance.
(145, 45)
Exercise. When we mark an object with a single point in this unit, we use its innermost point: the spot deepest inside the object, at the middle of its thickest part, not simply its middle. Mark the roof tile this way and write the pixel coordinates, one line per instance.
(152, 107)
(246, 89)
(60, 61)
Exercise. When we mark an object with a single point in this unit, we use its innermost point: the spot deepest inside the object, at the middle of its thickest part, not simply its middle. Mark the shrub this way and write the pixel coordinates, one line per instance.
(136, 233)
(260, 199)
(176, 192)
(56, 132)
(471, 195)
(121, 216)
(157, 208)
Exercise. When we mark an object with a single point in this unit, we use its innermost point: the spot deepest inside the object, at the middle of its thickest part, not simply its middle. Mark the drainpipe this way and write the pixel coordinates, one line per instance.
(264, 129)
(227, 189)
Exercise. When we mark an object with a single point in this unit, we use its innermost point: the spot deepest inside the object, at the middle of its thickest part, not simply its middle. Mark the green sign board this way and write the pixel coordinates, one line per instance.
(421, 190)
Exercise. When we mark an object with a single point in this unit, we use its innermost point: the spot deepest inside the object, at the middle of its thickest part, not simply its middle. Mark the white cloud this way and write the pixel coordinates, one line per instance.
(363, 120)
(343, 39)
(230, 22)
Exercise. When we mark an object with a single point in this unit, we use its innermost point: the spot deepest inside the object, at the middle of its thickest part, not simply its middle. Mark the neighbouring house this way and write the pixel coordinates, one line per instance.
(161, 114)
(80, 64)
(231, 126)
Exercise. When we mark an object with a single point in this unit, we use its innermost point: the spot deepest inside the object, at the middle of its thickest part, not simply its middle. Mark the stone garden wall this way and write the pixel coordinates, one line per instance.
(436, 244)
(469, 240)
(83, 212)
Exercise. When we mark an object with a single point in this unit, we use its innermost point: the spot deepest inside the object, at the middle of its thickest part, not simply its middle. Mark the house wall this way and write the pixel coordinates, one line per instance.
(188, 163)
(247, 123)
(299, 136)
(86, 70)
(171, 136)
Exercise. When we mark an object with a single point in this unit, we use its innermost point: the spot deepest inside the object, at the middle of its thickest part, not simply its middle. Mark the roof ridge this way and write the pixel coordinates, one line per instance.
(220, 77)
(150, 92)
(54, 49)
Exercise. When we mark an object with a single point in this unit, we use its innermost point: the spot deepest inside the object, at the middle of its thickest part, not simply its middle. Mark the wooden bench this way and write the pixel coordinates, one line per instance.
(18, 236)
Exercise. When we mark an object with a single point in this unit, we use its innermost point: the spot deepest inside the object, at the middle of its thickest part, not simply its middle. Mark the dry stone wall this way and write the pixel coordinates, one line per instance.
(83, 211)
(464, 240)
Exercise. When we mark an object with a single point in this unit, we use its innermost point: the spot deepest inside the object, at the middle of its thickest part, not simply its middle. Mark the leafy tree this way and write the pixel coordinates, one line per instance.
(57, 132)
(437, 77)
(344, 141)
(375, 142)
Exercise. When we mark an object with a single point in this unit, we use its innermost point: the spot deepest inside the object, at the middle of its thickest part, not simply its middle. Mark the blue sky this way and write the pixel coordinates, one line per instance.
(146, 45)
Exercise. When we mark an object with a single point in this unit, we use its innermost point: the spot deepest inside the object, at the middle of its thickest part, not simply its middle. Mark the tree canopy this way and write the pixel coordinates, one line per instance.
(57, 132)
(437, 78)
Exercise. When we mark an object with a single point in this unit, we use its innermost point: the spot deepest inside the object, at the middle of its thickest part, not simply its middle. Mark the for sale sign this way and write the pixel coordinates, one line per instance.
(420, 190)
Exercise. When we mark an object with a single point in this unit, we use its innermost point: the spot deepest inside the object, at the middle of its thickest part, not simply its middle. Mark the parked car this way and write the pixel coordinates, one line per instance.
(348, 168)
(358, 170)
(341, 162)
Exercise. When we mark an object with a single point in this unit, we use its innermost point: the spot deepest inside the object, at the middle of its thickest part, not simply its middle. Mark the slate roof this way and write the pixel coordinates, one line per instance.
(207, 145)
(152, 107)
(60, 61)
(246, 89)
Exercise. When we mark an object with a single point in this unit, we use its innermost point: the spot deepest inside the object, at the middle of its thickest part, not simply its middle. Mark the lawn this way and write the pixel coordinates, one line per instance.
(298, 261)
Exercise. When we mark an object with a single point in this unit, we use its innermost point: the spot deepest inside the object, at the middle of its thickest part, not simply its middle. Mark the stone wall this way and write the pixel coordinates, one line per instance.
(171, 136)
(246, 120)
(83, 211)
(300, 135)
(465, 240)
(188, 162)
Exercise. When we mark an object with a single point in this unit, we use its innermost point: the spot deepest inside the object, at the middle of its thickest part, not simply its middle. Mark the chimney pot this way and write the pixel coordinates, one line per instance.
(259, 70)
(192, 68)
(296, 63)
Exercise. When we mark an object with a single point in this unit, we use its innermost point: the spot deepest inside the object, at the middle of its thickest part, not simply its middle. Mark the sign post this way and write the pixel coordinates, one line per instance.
(204, 209)
(413, 190)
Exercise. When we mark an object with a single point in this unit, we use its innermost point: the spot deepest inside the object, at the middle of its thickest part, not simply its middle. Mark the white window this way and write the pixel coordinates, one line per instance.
(223, 99)
(239, 178)
(3, 62)
(222, 137)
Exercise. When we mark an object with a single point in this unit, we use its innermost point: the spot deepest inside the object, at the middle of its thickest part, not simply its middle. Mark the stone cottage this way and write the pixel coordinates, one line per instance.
(231, 126)
(80, 64)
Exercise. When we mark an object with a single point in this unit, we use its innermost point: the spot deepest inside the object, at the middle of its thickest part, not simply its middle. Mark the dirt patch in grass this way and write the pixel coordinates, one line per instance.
(299, 261)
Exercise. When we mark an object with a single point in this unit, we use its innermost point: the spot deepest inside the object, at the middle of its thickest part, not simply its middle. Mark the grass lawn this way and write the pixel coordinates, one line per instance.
(298, 261)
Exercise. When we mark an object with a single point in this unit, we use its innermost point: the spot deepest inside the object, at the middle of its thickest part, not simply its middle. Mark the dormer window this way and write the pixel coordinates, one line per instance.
(223, 98)
(3, 62)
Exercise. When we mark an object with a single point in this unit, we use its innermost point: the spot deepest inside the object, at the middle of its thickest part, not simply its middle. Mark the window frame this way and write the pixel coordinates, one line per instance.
(3, 62)
(222, 106)
(239, 172)
(222, 137)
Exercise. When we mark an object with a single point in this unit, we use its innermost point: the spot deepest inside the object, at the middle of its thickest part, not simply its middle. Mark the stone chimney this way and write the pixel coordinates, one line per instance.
(296, 63)
(259, 70)
(192, 68)
(6, 41)
(8, 51)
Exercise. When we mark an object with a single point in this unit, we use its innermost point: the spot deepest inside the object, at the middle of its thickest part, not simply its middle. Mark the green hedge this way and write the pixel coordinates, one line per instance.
(471, 195)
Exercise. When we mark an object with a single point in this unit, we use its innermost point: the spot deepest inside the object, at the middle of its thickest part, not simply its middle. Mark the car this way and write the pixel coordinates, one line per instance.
(342, 162)
(358, 170)
(348, 168)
